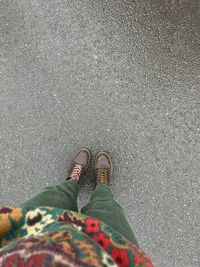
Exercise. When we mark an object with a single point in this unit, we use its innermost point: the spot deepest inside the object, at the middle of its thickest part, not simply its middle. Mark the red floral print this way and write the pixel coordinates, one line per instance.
(92, 225)
(139, 256)
(138, 260)
(102, 240)
(120, 256)
(76, 239)
(16, 260)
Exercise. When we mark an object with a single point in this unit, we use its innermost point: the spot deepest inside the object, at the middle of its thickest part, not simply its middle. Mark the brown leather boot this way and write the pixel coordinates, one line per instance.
(79, 164)
(104, 168)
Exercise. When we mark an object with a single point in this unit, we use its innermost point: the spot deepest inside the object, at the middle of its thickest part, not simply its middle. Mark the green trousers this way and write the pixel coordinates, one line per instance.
(101, 205)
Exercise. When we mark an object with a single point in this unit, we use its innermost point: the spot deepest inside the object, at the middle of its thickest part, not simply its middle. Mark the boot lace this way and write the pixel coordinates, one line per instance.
(76, 172)
(102, 176)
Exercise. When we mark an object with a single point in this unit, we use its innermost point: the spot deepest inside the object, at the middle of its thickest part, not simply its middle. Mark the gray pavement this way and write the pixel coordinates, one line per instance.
(121, 75)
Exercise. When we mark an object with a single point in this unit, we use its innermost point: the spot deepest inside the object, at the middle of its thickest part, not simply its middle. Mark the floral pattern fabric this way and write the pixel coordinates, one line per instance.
(54, 237)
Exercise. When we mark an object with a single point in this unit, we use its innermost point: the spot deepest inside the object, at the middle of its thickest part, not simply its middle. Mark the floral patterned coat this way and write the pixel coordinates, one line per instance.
(54, 237)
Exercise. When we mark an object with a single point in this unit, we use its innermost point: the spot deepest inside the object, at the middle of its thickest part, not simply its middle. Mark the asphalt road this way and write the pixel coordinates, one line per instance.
(121, 75)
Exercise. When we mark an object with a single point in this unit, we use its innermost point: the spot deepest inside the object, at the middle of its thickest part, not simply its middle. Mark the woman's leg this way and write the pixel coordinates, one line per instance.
(62, 196)
(102, 204)
(103, 207)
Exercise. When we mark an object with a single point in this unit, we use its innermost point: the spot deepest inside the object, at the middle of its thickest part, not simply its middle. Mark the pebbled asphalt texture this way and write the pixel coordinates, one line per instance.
(121, 75)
